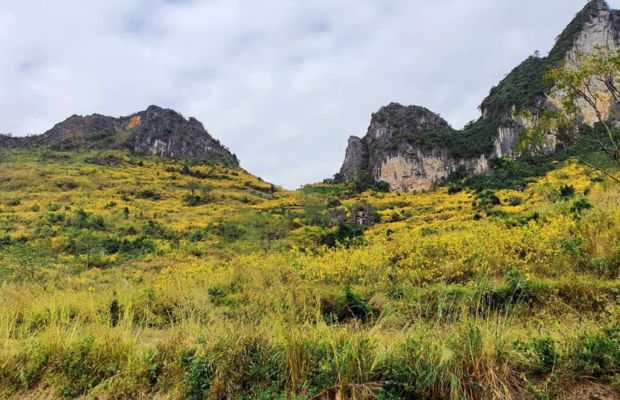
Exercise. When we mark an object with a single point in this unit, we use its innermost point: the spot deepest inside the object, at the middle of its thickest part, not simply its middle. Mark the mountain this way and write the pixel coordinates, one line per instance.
(412, 148)
(156, 131)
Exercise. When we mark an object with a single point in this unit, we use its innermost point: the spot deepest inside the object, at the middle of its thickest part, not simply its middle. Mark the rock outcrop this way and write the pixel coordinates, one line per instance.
(412, 148)
(8, 141)
(156, 132)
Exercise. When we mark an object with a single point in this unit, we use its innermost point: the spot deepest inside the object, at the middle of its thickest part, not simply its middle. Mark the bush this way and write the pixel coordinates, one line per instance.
(197, 376)
(149, 195)
(115, 311)
(567, 191)
(517, 289)
(347, 306)
(84, 220)
(14, 202)
(543, 355)
(515, 201)
(580, 205)
(486, 198)
(343, 235)
(194, 200)
(597, 356)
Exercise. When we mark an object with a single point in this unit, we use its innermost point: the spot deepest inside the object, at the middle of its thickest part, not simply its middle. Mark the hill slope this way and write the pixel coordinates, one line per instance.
(136, 277)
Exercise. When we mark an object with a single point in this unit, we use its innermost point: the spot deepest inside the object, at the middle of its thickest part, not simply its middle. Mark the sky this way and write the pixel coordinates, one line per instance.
(282, 83)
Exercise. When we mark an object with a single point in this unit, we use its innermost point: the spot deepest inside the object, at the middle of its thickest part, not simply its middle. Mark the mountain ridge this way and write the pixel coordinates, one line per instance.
(416, 160)
(155, 131)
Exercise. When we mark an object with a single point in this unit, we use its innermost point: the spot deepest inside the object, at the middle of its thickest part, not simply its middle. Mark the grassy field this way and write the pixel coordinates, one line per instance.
(139, 278)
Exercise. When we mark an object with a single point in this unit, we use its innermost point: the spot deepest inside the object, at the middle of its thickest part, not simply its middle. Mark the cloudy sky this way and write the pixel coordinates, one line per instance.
(283, 83)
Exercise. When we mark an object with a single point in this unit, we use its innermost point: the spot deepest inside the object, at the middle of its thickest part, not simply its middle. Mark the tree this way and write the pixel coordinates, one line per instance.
(586, 91)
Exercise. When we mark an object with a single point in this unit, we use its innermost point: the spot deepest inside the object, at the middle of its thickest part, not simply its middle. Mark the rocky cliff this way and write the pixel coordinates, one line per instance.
(412, 148)
(155, 131)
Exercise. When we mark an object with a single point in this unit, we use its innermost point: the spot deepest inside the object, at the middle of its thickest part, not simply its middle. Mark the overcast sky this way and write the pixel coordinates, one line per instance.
(282, 83)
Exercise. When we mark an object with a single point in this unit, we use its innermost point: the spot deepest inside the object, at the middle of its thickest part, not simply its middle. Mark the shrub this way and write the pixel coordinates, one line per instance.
(346, 307)
(567, 191)
(515, 201)
(343, 235)
(114, 310)
(197, 376)
(517, 289)
(149, 195)
(194, 200)
(542, 354)
(84, 220)
(230, 231)
(580, 205)
(597, 355)
(486, 198)
(14, 202)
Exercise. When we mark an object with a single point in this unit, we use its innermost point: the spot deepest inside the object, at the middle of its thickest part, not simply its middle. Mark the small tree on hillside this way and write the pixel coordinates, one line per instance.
(587, 87)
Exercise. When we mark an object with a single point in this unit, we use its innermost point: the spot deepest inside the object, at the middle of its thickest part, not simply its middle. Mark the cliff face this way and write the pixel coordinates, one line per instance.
(155, 131)
(396, 150)
(412, 148)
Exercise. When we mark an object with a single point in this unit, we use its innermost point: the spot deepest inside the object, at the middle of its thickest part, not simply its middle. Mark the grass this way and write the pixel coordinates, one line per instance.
(113, 287)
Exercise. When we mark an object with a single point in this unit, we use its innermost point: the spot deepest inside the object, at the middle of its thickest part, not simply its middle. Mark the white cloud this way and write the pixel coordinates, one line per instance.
(282, 83)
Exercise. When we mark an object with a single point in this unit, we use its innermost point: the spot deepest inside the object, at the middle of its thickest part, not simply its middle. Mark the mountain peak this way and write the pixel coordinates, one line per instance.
(596, 12)
(598, 4)
(155, 131)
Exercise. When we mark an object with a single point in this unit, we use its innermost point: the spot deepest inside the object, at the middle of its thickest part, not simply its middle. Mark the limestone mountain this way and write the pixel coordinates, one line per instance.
(156, 131)
(411, 148)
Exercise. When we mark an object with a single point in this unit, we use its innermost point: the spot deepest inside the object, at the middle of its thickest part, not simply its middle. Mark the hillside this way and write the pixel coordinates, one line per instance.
(135, 277)
(139, 260)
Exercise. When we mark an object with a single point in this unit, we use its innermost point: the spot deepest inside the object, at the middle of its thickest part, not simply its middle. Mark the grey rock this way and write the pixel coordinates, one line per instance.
(355, 159)
(337, 216)
(155, 132)
(8, 141)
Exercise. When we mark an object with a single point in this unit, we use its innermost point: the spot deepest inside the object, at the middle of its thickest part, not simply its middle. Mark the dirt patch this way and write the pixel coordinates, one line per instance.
(590, 391)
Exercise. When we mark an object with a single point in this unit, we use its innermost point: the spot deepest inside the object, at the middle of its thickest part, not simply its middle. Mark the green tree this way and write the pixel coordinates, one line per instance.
(587, 86)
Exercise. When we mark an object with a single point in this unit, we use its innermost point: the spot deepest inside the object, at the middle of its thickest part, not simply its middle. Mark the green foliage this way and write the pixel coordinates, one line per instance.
(567, 191)
(521, 89)
(515, 201)
(14, 202)
(542, 353)
(350, 305)
(148, 194)
(516, 290)
(84, 220)
(114, 312)
(597, 355)
(198, 375)
(229, 231)
(486, 198)
(365, 181)
(194, 200)
(345, 233)
(347, 306)
(580, 205)
(505, 174)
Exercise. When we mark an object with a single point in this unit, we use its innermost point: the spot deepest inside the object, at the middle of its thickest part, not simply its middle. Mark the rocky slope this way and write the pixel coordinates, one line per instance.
(155, 131)
(412, 148)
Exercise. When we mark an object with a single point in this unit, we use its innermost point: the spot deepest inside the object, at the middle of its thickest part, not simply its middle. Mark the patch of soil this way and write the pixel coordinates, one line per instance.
(590, 391)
